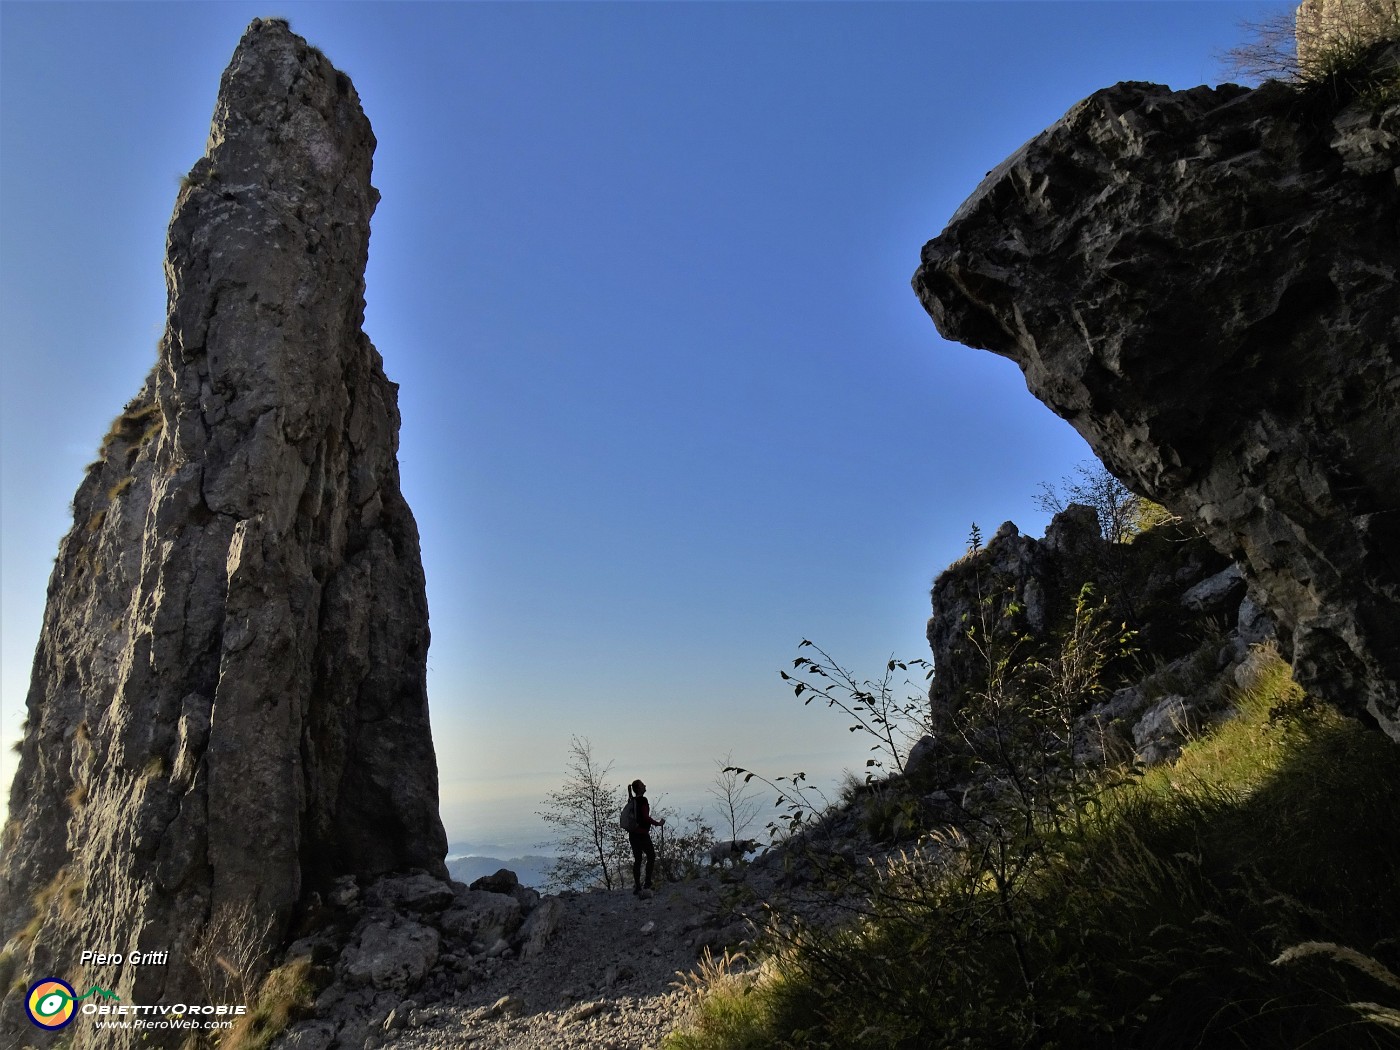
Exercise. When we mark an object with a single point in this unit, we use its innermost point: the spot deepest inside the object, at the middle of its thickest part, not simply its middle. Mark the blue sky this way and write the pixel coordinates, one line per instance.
(642, 272)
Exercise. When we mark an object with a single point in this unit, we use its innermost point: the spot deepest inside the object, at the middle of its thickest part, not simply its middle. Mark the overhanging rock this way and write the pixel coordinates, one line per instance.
(1204, 284)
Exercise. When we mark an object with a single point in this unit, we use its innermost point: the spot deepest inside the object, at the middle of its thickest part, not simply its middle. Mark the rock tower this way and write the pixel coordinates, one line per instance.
(228, 707)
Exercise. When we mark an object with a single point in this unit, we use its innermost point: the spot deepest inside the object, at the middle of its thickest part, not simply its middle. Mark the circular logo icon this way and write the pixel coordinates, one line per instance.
(50, 1003)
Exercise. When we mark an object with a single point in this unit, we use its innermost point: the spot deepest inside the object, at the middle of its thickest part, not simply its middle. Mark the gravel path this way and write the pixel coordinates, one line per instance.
(606, 982)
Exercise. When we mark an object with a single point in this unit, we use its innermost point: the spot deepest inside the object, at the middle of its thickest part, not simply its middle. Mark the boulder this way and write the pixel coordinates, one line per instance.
(419, 892)
(482, 916)
(1217, 593)
(1161, 732)
(505, 1006)
(922, 759)
(539, 928)
(391, 955)
(1075, 531)
(504, 881)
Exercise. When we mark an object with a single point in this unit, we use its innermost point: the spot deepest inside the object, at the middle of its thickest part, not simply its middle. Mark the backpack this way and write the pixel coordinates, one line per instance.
(628, 819)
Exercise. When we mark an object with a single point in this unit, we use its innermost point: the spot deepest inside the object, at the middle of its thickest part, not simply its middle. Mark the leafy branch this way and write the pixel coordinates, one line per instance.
(895, 723)
(800, 800)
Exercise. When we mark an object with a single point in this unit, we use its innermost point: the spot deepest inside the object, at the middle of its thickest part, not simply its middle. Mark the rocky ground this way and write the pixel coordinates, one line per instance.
(423, 970)
(608, 979)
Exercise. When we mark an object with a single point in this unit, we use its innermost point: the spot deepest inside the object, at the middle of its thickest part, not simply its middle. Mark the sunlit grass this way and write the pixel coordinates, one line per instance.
(1153, 922)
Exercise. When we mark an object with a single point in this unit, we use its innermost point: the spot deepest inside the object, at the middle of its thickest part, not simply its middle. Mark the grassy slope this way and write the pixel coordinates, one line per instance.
(1154, 922)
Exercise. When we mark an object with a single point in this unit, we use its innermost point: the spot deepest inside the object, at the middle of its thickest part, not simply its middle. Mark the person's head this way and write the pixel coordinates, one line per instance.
(638, 788)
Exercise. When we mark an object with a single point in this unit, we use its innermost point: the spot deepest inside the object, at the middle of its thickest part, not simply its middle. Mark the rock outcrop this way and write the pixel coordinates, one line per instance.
(1187, 623)
(228, 707)
(1018, 592)
(1204, 284)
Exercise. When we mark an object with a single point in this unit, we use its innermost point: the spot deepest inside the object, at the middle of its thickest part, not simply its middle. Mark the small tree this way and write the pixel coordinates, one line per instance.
(681, 844)
(1119, 508)
(592, 848)
(737, 806)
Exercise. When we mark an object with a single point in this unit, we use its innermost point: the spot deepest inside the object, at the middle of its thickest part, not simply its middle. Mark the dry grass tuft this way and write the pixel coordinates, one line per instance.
(285, 996)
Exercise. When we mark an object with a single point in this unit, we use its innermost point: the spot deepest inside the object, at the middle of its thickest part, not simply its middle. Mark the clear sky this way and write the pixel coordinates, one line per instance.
(642, 272)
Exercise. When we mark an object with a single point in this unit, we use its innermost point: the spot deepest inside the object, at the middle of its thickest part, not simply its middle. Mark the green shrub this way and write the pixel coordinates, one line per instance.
(891, 813)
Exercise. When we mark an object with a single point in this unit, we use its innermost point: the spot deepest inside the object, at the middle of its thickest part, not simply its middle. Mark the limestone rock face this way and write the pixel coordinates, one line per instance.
(1204, 283)
(1016, 595)
(995, 592)
(228, 706)
(1328, 25)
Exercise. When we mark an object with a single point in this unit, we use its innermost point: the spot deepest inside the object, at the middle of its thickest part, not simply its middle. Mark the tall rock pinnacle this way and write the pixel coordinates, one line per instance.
(228, 706)
(1204, 284)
